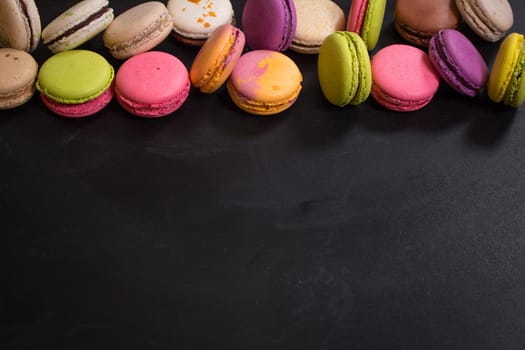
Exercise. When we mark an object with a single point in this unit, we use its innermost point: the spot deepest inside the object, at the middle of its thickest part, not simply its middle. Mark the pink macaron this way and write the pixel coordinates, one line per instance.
(403, 78)
(152, 84)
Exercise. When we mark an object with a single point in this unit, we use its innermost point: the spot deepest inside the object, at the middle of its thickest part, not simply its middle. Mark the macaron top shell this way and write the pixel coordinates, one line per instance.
(197, 19)
(315, 21)
(266, 75)
(404, 73)
(74, 76)
(20, 25)
(504, 66)
(151, 78)
(490, 19)
(269, 24)
(18, 69)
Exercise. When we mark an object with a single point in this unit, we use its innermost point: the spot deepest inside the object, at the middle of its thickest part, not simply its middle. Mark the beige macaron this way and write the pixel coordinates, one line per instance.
(138, 29)
(20, 26)
(316, 19)
(18, 71)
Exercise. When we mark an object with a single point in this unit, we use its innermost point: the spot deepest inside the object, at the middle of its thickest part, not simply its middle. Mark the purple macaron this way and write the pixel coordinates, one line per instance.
(458, 62)
(269, 24)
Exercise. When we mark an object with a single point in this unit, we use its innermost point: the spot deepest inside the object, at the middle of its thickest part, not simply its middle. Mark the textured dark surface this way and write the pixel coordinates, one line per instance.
(319, 228)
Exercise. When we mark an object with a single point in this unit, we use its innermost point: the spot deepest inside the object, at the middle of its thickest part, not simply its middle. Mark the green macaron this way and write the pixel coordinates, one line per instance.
(344, 70)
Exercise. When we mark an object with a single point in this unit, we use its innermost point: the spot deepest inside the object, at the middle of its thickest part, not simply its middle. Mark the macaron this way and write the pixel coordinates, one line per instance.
(18, 70)
(403, 78)
(138, 29)
(152, 84)
(75, 83)
(77, 25)
(264, 82)
(490, 19)
(366, 19)
(195, 20)
(344, 69)
(20, 25)
(458, 62)
(507, 79)
(419, 20)
(269, 24)
(216, 58)
(315, 21)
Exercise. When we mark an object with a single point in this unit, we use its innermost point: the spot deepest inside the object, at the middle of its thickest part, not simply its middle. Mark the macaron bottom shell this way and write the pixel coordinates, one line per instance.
(153, 110)
(79, 110)
(260, 107)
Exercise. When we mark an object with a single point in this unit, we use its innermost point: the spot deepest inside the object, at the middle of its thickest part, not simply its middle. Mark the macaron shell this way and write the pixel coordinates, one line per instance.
(18, 71)
(315, 21)
(458, 61)
(197, 19)
(71, 19)
(74, 76)
(215, 60)
(138, 29)
(79, 110)
(265, 82)
(373, 22)
(504, 65)
(490, 19)
(404, 79)
(269, 24)
(356, 16)
(148, 82)
(19, 30)
(515, 95)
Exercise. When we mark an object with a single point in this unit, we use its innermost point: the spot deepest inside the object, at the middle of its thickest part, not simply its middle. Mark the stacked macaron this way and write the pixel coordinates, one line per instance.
(252, 60)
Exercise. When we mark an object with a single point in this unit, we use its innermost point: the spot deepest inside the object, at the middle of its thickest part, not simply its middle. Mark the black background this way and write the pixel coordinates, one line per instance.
(318, 228)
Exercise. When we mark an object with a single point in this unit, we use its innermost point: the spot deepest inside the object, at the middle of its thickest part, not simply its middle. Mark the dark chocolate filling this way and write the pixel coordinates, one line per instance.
(82, 24)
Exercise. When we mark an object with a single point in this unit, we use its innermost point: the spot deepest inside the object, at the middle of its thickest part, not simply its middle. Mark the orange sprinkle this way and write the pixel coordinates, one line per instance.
(204, 15)
(200, 20)
(194, 1)
(211, 13)
(206, 25)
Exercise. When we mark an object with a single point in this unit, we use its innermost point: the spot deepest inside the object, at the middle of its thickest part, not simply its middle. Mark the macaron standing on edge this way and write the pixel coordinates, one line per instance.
(20, 25)
(18, 71)
(216, 58)
(365, 18)
(77, 25)
(315, 21)
(269, 24)
(344, 69)
(264, 82)
(419, 20)
(152, 84)
(195, 20)
(403, 78)
(138, 29)
(490, 19)
(76, 83)
(458, 62)
(507, 79)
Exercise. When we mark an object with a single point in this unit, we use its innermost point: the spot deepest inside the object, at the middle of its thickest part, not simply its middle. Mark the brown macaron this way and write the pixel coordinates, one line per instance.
(418, 20)
(18, 71)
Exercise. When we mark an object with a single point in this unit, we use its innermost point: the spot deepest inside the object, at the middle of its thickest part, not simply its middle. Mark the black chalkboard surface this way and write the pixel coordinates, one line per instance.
(318, 228)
